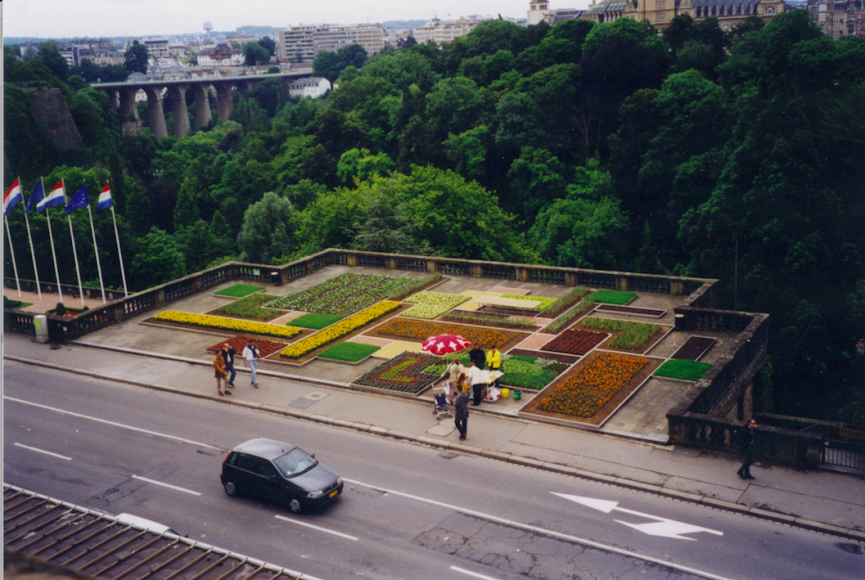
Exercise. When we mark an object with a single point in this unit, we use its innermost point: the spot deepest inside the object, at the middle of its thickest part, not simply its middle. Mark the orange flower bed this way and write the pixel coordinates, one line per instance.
(587, 390)
(421, 330)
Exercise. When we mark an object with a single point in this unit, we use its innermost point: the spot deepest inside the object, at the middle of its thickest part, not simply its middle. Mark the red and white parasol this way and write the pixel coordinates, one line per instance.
(444, 344)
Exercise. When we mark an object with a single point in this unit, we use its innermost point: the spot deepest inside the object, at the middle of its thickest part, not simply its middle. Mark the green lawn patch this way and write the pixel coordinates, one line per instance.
(617, 297)
(689, 370)
(250, 307)
(349, 351)
(239, 290)
(315, 320)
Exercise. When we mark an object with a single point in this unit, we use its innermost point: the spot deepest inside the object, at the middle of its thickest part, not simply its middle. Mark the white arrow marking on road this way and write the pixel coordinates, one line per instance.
(661, 527)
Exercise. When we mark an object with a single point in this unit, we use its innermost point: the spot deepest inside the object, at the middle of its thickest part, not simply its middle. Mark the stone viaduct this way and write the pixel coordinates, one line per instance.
(123, 97)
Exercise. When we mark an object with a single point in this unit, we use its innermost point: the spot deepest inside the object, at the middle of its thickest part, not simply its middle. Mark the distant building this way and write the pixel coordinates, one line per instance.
(309, 87)
(839, 18)
(239, 39)
(101, 57)
(220, 55)
(442, 31)
(157, 47)
(302, 43)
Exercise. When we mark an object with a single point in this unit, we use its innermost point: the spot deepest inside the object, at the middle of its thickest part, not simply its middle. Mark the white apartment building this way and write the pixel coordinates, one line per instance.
(309, 87)
(157, 47)
(302, 43)
(442, 31)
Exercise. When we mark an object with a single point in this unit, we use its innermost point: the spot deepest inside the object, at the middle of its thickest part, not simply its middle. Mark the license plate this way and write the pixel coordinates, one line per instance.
(333, 493)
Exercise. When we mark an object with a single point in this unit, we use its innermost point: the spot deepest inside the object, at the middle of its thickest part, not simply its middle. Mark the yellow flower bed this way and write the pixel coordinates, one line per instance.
(338, 330)
(209, 321)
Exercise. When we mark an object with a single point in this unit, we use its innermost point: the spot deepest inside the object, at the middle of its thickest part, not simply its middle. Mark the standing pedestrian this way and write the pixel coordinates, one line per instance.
(476, 380)
(453, 372)
(747, 439)
(461, 414)
(494, 361)
(228, 354)
(477, 356)
(219, 373)
(250, 359)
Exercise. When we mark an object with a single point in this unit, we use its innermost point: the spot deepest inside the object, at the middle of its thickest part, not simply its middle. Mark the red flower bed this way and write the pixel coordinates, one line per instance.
(421, 330)
(265, 347)
(575, 342)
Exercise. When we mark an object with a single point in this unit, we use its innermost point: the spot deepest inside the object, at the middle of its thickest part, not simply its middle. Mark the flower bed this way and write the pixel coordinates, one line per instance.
(565, 319)
(338, 330)
(687, 370)
(433, 304)
(250, 307)
(543, 302)
(575, 342)
(421, 330)
(404, 373)
(265, 347)
(239, 290)
(587, 390)
(630, 335)
(490, 320)
(345, 294)
(349, 351)
(208, 321)
(525, 372)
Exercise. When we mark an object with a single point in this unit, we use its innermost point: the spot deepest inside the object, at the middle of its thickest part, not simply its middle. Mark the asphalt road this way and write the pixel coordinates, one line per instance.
(408, 511)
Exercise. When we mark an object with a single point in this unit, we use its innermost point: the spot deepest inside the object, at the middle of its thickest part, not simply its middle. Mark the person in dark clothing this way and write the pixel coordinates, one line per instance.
(747, 436)
(228, 354)
(478, 356)
(461, 414)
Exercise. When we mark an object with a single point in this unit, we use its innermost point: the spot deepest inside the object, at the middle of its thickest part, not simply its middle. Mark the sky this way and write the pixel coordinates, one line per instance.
(96, 18)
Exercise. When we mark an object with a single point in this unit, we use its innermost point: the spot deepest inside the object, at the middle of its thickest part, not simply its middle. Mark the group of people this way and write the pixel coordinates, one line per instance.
(461, 379)
(223, 366)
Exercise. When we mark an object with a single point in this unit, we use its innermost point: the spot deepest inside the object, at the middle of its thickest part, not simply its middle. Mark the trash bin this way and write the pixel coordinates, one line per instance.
(40, 322)
(275, 278)
(518, 394)
(505, 393)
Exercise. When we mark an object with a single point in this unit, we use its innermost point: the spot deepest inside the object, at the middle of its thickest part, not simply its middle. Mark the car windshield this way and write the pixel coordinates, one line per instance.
(294, 462)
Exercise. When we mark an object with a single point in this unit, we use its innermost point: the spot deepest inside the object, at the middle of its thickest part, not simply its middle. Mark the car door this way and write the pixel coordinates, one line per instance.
(266, 482)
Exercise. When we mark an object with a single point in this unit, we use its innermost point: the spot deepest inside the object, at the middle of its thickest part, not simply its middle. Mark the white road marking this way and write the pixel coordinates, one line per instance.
(114, 424)
(43, 451)
(335, 533)
(550, 533)
(470, 573)
(660, 527)
(168, 485)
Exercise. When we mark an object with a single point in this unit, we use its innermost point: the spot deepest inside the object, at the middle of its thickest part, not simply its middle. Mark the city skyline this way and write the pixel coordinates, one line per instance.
(113, 18)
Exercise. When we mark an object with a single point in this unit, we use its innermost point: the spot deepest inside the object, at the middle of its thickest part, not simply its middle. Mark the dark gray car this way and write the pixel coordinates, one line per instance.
(279, 471)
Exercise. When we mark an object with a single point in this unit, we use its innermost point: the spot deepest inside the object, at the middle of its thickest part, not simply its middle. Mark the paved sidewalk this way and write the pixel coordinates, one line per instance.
(824, 501)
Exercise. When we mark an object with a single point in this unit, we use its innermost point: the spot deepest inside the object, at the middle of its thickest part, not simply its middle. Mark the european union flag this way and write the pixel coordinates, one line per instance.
(78, 200)
(35, 197)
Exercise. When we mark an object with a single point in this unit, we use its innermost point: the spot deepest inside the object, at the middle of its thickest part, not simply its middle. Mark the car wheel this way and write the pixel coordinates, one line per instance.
(230, 488)
(294, 505)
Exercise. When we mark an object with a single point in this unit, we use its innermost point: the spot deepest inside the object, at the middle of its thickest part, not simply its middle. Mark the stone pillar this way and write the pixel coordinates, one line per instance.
(127, 102)
(202, 104)
(178, 109)
(113, 97)
(223, 100)
(154, 108)
(244, 86)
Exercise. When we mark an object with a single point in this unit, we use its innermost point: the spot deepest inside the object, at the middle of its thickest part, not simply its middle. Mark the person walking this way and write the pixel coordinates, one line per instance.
(747, 439)
(250, 359)
(476, 380)
(219, 373)
(228, 354)
(461, 414)
(494, 361)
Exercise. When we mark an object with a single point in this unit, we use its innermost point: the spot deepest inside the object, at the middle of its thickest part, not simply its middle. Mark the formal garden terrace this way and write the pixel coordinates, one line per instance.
(608, 351)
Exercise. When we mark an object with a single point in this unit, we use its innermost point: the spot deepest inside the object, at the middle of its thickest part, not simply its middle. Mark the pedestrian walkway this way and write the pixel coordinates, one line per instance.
(48, 300)
(828, 502)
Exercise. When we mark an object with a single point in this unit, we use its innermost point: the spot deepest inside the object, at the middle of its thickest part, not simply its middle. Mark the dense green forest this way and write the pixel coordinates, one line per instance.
(693, 152)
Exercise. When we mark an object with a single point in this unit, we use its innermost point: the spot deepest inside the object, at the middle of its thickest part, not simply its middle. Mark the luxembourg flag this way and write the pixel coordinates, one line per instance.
(56, 197)
(105, 198)
(12, 196)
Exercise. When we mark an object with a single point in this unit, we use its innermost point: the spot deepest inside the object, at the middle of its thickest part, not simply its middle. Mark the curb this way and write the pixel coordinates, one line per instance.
(776, 517)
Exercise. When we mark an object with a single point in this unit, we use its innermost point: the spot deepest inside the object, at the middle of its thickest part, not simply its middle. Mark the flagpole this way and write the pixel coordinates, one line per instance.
(119, 253)
(33, 254)
(12, 253)
(53, 252)
(74, 250)
(96, 249)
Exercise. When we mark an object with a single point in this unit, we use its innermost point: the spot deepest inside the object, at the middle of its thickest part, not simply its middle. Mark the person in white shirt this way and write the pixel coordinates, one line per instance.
(476, 380)
(250, 359)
